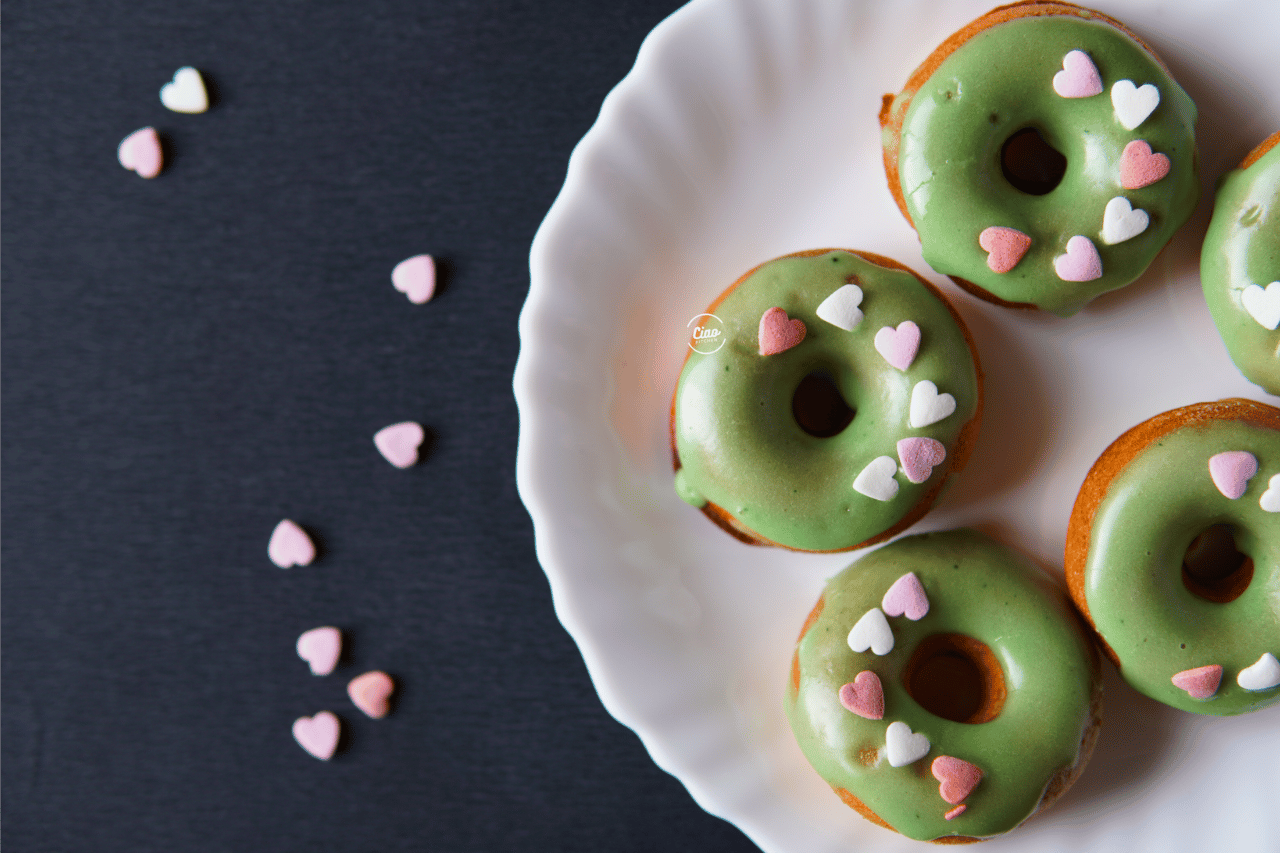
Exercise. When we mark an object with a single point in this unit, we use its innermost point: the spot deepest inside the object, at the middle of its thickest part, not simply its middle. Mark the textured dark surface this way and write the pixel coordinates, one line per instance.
(189, 359)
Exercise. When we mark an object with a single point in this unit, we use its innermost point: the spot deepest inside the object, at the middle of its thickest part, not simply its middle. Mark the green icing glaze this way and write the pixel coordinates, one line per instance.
(1001, 81)
(738, 443)
(1152, 510)
(981, 589)
(1242, 248)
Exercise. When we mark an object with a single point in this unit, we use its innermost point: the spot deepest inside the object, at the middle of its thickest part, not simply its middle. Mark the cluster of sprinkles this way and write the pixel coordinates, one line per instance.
(898, 346)
(864, 695)
(1231, 472)
(1139, 167)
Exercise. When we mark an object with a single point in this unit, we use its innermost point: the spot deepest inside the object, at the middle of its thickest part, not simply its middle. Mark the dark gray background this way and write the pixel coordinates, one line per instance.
(189, 359)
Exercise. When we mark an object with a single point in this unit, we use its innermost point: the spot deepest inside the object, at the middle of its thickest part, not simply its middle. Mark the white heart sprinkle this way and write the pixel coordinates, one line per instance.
(928, 406)
(1263, 675)
(1270, 500)
(1263, 305)
(903, 746)
(1121, 222)
(876, 480)
(841, 307)
(186, 94)
(872, 632)
(1134, 103)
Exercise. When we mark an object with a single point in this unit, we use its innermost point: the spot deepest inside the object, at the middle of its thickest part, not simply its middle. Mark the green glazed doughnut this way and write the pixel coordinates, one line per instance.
(1043, 154)
(1190, 623)
(825, 398)
(973, 668)
(1240, 265)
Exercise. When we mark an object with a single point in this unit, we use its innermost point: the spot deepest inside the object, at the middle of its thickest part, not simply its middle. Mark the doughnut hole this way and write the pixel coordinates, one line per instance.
(1213, 568)
(1030, 164)
(956, 677)
(818, 406)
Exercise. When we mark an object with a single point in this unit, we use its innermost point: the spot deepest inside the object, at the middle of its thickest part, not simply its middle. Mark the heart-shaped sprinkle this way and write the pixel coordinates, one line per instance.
(1263, 305)
(1134, 103)
(318, 735)
(1121, 222)
(902, 746)
(1201, 682)
(928, 406)
(186, 94)
(778, 333)
(1270, 500)
(1078, 78)
(320, 648)
(958, 777)
(1004, 247)
(140, 151)
(906, 596)
(864, 696)
(1263, 675)
(399, 443)
(919, 455)
(1231, 471)
(876, 480)
(841, 309)
(416, 278)
(899, 346)
(872, 632)
(1080, 263)
(1140, 167)
(956, 812)
(290, 546)
(370, 693)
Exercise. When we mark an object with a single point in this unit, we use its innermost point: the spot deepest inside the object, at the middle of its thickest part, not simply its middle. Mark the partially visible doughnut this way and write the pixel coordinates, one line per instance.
(1240, 265)
(1173, 555)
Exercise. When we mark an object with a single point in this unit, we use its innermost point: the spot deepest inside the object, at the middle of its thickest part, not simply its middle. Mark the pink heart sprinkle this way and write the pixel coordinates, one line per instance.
(1231, 471)
(416, 278)
(1005, 247)
(370, 693)
(958, 777)
(320, 648)
(864, 696)
(778, 333)
(318, 735)
(140, 151)
(290, 546)
(1078, 78)
(906, 596)
(919, 455)
(1080, 263)
(1201, 682)
(899, 346)
(1139, 167)
(399, 443)
(956, 812)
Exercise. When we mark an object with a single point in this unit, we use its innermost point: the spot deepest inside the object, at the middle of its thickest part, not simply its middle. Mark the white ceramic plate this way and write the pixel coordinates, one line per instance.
(746, 130)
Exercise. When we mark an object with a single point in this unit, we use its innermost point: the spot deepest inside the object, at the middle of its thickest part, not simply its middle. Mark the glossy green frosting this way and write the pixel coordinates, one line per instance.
(981, 589)
(1152, 510)
(1242, 248)
(738, 443)
(1001, 81)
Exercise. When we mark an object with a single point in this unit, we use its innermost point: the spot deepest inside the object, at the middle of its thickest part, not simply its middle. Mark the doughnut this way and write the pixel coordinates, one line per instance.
(1173, 556)
(1043, 154)
(1240, 265)
(944, 687)
(825, 398)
